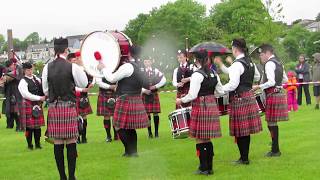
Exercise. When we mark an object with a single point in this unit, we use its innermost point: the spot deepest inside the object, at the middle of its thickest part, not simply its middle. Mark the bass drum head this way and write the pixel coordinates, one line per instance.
(106, 45)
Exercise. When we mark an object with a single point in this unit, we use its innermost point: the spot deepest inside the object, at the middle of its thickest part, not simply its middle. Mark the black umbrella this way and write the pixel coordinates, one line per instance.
(213, 48)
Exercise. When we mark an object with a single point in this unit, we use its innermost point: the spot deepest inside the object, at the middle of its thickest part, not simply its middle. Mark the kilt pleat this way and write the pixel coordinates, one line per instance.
(181, 93)
(26, 118)
(102, 104)
(152, 105)
(205, 123)
(130, 113)
(244, 118)
(83, 111)
(62, 120)
(276, 107)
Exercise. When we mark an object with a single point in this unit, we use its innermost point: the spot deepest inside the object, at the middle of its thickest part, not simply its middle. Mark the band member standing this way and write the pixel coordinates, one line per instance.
(12, 94)
(204, 123)
(83, 102)
(181, 77)
(60, 78)
(150, 97)
(31, 111)
(130, 113)
(244, 118)
(276, 101)
(106, 104)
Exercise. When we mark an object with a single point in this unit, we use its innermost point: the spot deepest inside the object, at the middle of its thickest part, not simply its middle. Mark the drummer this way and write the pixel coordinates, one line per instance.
(276, 101)
(129, 113)
(82, 99)
(181, 77)
(150, 96)
(244, 114)
(204, 123)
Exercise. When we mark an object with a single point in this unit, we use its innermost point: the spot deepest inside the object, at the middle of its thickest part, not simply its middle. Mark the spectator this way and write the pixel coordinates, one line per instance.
(316, 78)
(303, 75)
(291, 87)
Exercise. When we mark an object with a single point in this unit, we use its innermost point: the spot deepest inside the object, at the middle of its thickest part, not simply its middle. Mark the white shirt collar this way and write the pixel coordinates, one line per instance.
(272, 56)
(184, 65)
(29, 77)
(240, 56)
(62, 56)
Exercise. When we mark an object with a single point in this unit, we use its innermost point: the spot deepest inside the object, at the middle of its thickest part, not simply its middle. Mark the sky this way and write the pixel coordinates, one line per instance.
(72, 17)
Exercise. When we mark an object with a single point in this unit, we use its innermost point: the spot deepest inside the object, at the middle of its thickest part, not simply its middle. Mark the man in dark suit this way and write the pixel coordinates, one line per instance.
(303, 75)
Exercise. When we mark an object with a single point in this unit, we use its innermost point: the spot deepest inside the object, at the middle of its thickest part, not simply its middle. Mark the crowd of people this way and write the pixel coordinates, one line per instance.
(128, 99)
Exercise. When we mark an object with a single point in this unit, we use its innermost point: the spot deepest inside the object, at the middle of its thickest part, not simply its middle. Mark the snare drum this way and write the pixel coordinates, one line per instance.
(261, 101)
(179, 122)
(223, 104)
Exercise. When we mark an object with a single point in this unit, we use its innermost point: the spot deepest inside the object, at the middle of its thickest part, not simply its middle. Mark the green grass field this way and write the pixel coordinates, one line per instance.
(165, 158)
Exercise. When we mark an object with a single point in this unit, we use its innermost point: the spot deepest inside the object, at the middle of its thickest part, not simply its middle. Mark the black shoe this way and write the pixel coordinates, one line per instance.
(133, 155)
(210, 172)
(38, 147)
(84, 140)
(273, 154)
(156, 135)
(72, 178)
(199, 172)
(317, 106)
(108, 139)
(125, 155)
(30, 147)
(240, 161)
(150, 136)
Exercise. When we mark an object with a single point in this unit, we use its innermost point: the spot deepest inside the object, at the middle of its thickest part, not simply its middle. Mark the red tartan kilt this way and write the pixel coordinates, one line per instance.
(83, 111)
(130, 113)
(16, 107)
(244, 117)
(204, 122)
(276, 107)
(26, 118)
(181, 93)
(62, 120)
(102, 104)
(152, 106)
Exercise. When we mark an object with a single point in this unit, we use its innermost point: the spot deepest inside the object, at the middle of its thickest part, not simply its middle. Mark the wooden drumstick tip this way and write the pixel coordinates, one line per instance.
(97, 55)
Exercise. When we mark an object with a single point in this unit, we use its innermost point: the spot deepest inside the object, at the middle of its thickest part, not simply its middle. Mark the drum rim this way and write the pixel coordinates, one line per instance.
(118, 47)
(180, 110)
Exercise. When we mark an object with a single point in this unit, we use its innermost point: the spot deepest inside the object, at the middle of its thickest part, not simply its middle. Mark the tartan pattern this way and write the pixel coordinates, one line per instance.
(26, 118)
(102, 108)
(83, 111)
(205, 123)
(180, 93)
(130, 113)
(62, 120)
(244, 118)
(276, 107)
(16, 107)
(152, 106)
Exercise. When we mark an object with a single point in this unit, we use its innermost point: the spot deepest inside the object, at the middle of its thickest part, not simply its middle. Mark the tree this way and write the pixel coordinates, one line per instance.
(318, 17)
(313, 44)
(32, 38)
(180, 19)
(248, 19)
(295, 42)
(2, 40)
(134, 26)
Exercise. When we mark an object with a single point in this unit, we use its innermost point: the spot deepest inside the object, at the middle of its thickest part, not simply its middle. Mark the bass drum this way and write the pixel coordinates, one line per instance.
(112, 47)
